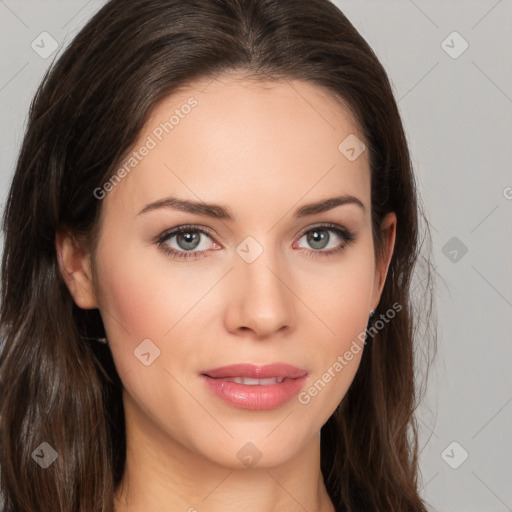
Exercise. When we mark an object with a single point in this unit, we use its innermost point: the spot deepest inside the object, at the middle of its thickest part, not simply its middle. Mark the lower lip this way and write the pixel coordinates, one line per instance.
(243, 396)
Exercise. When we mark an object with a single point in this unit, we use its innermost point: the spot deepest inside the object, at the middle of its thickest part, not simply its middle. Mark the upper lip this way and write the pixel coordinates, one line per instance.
(278, 370)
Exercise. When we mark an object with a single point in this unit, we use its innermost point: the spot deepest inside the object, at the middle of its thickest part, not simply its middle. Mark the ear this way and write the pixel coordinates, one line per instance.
(75, 267)
(388, 234)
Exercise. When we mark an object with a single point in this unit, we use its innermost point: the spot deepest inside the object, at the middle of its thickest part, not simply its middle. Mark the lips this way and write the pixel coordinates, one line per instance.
(251, 371)
(249, 386)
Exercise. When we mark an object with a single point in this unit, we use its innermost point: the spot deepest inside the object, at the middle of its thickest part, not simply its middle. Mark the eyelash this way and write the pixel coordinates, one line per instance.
(348, 236)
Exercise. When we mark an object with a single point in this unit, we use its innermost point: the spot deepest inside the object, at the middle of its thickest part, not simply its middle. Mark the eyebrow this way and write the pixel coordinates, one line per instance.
(221, 212)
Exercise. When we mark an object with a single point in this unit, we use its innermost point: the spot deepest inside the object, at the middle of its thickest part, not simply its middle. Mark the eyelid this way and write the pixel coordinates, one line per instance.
(162, 237)
(320, 225)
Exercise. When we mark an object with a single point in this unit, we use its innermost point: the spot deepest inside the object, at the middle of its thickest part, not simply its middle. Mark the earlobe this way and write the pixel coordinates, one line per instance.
(388, 228)
(75, 268)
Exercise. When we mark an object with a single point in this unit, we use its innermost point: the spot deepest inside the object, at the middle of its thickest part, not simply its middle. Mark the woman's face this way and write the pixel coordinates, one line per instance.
(255, 279)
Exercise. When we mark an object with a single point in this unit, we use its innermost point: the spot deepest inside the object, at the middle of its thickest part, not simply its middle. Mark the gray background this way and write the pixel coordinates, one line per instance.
(457, 111)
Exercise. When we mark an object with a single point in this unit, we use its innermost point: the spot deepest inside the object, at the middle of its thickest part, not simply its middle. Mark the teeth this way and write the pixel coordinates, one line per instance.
(256, 382)
(248, 381)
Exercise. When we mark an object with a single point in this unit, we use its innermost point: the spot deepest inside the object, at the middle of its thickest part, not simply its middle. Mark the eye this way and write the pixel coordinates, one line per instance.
(186, 240)
(320, 238)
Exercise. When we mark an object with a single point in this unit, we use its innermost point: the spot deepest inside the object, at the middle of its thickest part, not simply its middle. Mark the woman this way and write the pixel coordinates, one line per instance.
(209, 244)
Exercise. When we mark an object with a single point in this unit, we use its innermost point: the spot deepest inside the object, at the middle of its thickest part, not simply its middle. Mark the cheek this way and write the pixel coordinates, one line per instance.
(342, 297)
(131, 299)
(132, 304)
(342, 301)
(143, 314)
(137, 294)
(143, 298)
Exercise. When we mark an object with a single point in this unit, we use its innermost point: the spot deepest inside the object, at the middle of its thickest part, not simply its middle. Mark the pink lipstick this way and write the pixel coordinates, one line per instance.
(249, 386)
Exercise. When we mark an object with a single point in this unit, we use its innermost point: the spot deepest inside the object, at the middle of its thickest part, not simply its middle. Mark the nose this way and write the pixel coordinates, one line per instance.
(259, 297)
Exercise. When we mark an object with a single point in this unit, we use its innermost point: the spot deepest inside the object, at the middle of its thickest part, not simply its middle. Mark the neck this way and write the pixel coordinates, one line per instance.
(162, 474)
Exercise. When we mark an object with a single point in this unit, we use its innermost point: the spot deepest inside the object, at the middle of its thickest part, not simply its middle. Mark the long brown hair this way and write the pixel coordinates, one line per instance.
(58, 386)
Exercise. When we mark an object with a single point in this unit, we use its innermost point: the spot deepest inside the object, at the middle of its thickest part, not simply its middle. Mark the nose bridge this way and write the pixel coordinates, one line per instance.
(262, 300)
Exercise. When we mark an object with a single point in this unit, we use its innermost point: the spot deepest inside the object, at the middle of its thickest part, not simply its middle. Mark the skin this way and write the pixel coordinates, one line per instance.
(262, 149)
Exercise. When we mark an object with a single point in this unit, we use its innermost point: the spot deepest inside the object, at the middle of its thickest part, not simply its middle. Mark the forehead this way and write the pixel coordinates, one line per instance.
(245, 143)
